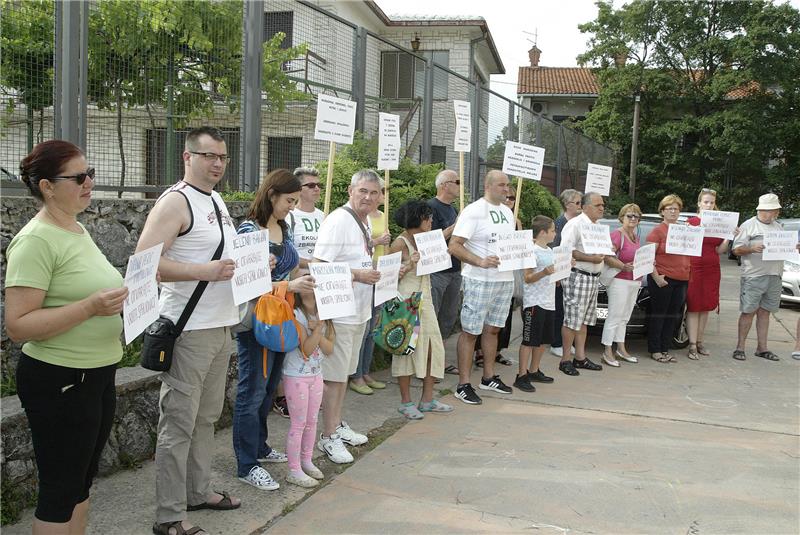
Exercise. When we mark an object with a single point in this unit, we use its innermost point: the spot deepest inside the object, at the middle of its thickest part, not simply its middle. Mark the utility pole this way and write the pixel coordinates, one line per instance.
(634, 147)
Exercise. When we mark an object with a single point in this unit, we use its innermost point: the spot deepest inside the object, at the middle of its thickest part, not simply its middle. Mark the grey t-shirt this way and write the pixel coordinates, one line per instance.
(751, 233)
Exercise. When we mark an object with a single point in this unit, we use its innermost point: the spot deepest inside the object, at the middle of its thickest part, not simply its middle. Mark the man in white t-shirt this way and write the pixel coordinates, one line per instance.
(761, 279)
(487, 291)
(306, 218)
(343, 237)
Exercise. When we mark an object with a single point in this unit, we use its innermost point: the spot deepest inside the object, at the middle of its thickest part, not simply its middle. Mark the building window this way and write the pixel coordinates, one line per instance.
(562, 118)
(403, 76)
(284, 153)
(279, 21)
(156, 157)
(439, 154)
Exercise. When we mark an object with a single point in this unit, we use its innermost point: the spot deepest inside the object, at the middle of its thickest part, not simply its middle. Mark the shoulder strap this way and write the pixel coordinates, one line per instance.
(201, 286)
(362, 227)
(410, 247)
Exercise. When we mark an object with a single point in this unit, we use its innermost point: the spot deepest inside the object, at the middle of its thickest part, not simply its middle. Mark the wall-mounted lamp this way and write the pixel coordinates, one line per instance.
(415, 42)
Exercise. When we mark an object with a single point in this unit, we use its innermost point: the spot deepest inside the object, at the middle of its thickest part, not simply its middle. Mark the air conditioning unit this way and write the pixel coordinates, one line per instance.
(539, 107)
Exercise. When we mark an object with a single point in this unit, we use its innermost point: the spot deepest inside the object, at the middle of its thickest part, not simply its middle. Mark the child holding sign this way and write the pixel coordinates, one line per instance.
(538, 307)
(302, 383)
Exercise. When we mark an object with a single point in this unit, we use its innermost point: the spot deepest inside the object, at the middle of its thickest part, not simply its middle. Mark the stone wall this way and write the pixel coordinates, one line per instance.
(115, 226)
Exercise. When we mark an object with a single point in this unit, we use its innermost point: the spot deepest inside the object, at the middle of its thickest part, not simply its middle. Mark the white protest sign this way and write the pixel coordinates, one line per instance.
(386, 287)
(780, 245)
(643, 260)
(336, 119)
(562, 263)
(598, 179)
(515, 250)
(388, 141)
(719, 224)
(463, 130)
(523, 160)
(433, 254)
(252, 277)
(140, 308)
(685, 240)
(596, 239)
(334, 291)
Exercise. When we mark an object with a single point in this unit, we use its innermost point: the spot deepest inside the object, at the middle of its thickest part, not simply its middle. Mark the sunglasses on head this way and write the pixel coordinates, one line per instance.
(80, 178)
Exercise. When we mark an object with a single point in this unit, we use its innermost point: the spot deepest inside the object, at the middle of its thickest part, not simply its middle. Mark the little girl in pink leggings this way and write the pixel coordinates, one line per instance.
(302, 384)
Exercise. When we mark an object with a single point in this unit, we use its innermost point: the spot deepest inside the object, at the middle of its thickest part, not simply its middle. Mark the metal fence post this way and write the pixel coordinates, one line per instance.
(511, 123)
(359, 82)
(474, 154)
(560, 153)
(67, 88)
(250, 130)
(427, 114)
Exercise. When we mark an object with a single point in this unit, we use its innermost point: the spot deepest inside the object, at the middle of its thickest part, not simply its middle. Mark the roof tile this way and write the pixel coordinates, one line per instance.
(556, 81)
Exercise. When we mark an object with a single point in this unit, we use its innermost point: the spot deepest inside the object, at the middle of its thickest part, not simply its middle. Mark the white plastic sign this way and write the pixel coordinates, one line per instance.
(643, 260)
(388, 141)
(433, 254)
(598, 179)
(522, 160)
(140, 308)
(334, 289)
(685, 240)
(719, 224)
(596, 239)
(252, 277)
(336, 119)
(463, 130)
(515, 250)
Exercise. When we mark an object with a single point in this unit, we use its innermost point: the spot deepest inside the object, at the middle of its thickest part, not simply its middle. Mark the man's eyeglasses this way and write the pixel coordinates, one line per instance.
(212, 157)
(312, 185)
(80, 178)
(633, 216)
(456, 182)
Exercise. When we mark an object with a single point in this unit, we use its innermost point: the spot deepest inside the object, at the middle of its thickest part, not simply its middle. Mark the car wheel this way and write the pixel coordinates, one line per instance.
(680, 339)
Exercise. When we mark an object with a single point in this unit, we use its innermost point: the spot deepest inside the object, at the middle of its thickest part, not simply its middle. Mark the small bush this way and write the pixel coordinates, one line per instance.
(131, 354)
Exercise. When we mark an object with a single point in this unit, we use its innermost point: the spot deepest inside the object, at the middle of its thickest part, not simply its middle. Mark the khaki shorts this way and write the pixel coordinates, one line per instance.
(346, 348)
(760, 292)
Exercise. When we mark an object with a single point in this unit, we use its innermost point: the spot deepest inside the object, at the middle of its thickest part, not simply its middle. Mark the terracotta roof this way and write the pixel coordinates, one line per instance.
(556, 81)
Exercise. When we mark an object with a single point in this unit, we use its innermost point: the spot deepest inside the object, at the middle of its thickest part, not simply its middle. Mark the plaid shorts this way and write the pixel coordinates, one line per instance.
(485, 302)
(580, 300)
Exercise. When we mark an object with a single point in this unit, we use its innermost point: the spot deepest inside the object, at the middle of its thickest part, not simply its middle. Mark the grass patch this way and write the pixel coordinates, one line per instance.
(14, 503)
(8, 384)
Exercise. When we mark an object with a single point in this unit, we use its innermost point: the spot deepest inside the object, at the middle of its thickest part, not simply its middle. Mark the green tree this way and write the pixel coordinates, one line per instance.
(719, 86)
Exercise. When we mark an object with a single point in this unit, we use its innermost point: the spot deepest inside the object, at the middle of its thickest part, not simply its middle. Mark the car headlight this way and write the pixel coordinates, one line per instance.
(792, 267)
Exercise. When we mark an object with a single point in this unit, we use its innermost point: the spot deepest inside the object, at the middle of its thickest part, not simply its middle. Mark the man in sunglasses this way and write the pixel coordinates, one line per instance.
(306, 218)
(446, 285)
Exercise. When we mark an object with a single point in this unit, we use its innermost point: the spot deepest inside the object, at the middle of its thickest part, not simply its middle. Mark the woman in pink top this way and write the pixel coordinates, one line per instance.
(623, 289)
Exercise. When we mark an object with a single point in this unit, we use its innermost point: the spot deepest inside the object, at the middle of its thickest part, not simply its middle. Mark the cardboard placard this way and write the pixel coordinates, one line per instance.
(523, 160)
(386, 287)
(515, 250)
(334, 289)
(685, 240)
(562, 263)
(336, 119)
(252, 277)
(433, 254)
(140, 308)
(598, 179)
(719, 224)
(596, 239)
(463, 131)
(644, 260)
(388, 141)
(780, 245)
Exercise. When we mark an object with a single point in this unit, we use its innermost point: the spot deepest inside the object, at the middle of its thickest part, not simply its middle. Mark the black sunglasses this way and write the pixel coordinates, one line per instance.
(80, 178)
(312, 185)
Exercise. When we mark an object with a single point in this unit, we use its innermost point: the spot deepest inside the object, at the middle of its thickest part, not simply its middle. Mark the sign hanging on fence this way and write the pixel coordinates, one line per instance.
(386, 287)
(643, 260)
(523, 160)
(433, 255)
(252, 277)
(685, 240)
(562, 263)
(719, 224)
(780, 245)
(596, 239)
(388, 141)
(463, 131)
(336, 119)
(140, 308)
(598, 179)
(515, 250)
(334, 289)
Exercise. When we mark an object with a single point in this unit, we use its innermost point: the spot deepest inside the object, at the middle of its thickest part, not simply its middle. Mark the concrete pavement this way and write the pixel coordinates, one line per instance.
(692, 447)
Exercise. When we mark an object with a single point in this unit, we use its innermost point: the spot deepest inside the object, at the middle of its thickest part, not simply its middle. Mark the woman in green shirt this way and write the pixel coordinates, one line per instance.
(63, 298)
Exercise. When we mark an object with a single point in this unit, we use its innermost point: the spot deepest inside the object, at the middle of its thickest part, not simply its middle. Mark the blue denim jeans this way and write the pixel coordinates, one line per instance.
(253, 401)
(367, 347)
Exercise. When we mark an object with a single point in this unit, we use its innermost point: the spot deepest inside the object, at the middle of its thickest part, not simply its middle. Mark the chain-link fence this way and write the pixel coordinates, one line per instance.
(156, 69)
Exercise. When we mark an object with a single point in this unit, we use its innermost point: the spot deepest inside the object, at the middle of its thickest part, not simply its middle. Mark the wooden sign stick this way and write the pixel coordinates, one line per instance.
(329, 183)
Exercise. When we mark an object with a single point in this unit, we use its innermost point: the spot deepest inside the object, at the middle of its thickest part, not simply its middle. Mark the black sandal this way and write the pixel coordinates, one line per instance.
(502, 360)
(739, 355)
(769, 355)
(177, 526)
(225, 504)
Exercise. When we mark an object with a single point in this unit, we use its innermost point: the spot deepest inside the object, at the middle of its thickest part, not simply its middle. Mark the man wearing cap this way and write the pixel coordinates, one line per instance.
(761, 279)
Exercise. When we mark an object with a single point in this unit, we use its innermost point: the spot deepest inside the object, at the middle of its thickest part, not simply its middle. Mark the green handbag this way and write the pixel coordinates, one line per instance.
(398, 327)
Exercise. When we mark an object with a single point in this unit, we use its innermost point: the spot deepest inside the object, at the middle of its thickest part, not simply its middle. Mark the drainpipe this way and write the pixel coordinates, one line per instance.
(474, 165)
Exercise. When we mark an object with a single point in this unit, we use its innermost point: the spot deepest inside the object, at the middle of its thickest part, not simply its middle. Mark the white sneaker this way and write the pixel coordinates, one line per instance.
(274, 456)
(260, 479)
(305, 481)
(334, 448)
(557, 351)
(314, 472)
(349, 436)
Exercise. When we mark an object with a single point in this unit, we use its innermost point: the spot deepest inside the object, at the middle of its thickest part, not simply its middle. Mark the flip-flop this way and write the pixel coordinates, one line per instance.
(739, 355)
(225, 504)
(451, 370)
(769, 355)
(502, 360)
